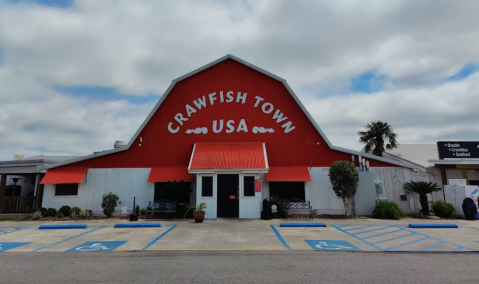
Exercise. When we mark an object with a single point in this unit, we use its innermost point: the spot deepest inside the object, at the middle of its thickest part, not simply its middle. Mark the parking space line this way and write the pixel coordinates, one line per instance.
(391, 239)
(17, 229)
(159, 237)
(434, 245)
(358, 228)
(280, 238)
(362, 232)
(408, 243)
(382, 234)
(411, 233)
(70, 238)
(470, 227)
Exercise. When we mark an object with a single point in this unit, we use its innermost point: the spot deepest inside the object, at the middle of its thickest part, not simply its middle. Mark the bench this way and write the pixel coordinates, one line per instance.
(300, 204)
(161, 206)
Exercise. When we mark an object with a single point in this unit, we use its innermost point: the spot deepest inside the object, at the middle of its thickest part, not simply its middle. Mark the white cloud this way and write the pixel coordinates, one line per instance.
(138, 47)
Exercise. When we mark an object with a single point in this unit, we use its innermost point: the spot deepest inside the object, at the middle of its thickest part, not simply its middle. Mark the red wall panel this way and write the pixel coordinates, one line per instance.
(298, 148)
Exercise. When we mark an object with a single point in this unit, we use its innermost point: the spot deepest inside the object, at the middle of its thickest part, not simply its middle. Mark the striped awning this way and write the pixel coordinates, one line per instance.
(288, 174)
(64, 175)
(228, 156)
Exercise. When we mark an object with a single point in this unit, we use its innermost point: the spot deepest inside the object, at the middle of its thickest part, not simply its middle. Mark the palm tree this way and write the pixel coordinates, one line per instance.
(375, 135)
(422, 188)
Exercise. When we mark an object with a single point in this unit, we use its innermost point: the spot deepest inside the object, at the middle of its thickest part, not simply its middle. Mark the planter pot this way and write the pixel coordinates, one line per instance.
(199, 216)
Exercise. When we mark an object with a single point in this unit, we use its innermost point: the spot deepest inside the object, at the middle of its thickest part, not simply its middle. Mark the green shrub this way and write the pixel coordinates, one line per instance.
(142, 211)
(443, 209)
(42, 210)
(137, 209)
(60, 215)
(75, 211)
(109, 203)
(416, 215)
(50, 212)
(65, 210)
(387, 210)
(282, 206)
(37, 215)
(85, 213)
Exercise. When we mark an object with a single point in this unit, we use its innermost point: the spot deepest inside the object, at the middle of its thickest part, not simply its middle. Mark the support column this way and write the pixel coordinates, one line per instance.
(443, 179)
(3, 183)
(39, 194)
(465, 176)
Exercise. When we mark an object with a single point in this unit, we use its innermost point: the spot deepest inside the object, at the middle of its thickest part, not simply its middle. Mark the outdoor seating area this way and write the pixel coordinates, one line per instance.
(162, 206)
(300, 204)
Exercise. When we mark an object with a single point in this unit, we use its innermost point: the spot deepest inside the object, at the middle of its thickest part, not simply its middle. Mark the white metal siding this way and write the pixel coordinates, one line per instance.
(126, 183)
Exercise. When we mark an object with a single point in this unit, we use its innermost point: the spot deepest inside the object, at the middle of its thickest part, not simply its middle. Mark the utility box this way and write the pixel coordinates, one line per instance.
(379, 187)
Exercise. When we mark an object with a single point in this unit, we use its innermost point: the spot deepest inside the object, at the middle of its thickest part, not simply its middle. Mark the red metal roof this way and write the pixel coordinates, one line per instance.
(64, 175)
(288, 174)
(164, 175)
(228, 156)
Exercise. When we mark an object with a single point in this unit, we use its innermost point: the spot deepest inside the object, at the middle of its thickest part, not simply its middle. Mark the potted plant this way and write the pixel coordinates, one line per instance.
(199, 213)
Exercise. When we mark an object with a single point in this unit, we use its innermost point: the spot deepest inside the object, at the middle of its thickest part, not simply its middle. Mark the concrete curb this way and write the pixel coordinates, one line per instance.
(432, 226)
(138, 225)
(67, 226)
(301, 225)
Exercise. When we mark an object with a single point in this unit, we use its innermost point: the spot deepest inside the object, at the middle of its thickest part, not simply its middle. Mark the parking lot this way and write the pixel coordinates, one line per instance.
(240, 234)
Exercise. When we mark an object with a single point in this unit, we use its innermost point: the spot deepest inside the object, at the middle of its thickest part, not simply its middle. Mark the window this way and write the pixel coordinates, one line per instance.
(207, 186)
(248, 186)
(287, 189)
(66, 189)
(173, 191)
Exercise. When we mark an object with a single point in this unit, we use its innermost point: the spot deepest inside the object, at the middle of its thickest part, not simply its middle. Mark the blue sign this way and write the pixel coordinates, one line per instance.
(6, 246)
(331, 245)
(98, 246)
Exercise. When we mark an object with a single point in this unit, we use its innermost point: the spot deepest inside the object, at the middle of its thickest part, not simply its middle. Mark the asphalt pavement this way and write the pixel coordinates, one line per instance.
(238, 267)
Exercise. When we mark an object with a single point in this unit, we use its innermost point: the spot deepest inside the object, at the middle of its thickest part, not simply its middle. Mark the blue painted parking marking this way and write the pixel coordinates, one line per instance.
(332, 245)
(470, 227)
(98, 246)
(14, 229)
(70, 238)
(280, 238)
(400, 241)
(10, 245)
(159, 237)
(357, 228)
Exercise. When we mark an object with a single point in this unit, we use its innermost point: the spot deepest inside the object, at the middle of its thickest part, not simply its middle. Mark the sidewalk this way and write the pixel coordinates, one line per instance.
(241, 234)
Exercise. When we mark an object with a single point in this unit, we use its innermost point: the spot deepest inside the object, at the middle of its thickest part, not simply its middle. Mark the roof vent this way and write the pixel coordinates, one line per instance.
(118, 144)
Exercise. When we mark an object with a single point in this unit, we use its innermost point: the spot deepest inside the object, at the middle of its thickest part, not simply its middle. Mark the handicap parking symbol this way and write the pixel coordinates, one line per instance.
(332, 245)
(98, 246)
(8, 245)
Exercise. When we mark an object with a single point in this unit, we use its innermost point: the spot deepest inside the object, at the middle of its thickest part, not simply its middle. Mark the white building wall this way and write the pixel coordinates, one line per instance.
(126, 183)
(393, 179)
(320, 193)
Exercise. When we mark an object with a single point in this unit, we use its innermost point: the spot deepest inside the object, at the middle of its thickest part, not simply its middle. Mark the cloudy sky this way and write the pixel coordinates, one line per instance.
(75, 76)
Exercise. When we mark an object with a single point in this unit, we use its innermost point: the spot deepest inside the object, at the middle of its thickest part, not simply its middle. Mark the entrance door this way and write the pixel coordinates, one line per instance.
(228, 195)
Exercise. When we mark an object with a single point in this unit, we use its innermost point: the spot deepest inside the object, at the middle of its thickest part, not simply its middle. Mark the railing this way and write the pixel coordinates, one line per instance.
(18, 204)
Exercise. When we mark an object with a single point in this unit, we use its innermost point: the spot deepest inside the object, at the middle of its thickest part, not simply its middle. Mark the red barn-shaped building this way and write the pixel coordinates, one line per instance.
(234, 134)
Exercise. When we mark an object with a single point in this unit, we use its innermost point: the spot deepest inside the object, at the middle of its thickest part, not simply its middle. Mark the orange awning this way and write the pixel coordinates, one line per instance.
(229, 156)
(164, 175)
(64, 175)
(288, 174)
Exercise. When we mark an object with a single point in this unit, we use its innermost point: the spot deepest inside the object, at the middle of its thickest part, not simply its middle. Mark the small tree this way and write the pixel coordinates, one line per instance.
(109, 203)
(344, 178)
(422, 188)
